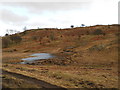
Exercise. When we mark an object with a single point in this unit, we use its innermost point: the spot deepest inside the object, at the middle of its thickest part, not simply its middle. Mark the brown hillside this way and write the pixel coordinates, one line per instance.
(81, 53)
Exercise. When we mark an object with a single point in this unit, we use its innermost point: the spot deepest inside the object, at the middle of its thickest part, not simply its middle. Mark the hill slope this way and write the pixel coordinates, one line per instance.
(81, 53)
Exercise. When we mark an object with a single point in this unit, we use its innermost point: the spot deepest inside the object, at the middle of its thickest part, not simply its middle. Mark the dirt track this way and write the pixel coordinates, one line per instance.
(40, 83)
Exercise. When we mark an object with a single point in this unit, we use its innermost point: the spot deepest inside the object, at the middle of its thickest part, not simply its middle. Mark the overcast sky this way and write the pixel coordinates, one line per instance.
(16, 15)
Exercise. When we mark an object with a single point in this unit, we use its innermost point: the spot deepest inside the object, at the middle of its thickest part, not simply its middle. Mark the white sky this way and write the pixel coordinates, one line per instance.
(16, 15)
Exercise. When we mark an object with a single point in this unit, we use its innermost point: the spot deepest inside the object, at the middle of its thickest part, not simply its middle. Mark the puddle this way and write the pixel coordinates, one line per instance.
(37, 56)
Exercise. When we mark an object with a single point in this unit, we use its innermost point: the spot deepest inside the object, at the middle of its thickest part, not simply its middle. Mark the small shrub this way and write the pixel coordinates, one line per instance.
(9, 40)
(6, 34)
(117, 34)
(6, 41)
(98, 32)
(57, 75)
(34, 38)
(16, 38)
(52, 36)
(97, 47)
(23, 33)
(72, 26)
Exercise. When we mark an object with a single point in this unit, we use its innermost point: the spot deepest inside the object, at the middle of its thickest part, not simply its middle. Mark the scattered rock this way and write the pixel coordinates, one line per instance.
(11, 50)
(97, 47)
(26, 51)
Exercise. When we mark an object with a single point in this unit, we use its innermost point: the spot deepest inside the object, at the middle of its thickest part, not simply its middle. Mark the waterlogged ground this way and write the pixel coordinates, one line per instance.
(78, 75)
(37, 56)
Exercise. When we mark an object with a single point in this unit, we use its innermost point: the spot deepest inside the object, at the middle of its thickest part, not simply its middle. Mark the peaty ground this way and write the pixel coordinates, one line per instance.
(83, 60)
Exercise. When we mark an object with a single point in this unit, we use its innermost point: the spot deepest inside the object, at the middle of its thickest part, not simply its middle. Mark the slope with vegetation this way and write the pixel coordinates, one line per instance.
(81, 53)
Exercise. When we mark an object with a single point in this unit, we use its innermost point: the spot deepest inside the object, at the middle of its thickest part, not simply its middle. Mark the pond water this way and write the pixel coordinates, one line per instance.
(37, 56)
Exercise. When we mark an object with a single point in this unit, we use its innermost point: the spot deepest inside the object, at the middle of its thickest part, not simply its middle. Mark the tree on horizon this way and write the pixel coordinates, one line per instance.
(72, 26)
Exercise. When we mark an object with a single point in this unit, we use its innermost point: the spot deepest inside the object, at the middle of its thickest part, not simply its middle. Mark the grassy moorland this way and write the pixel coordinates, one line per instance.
(86, 57)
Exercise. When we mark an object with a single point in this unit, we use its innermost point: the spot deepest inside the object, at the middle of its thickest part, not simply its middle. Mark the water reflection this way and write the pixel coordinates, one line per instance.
(37, 56)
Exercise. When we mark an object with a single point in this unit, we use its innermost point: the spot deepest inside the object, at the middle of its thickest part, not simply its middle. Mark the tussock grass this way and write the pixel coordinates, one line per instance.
(69, 76)
(88, 68)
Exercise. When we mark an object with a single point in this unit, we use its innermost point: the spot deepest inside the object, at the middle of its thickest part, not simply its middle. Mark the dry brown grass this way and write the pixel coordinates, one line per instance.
(69, 76)
(13, 57)
(90, 66)
(13, 82)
